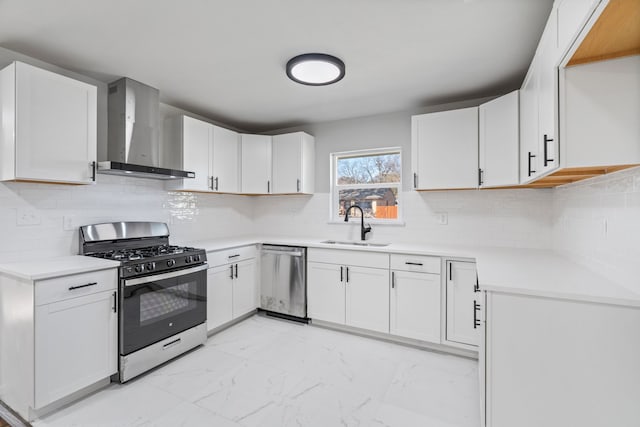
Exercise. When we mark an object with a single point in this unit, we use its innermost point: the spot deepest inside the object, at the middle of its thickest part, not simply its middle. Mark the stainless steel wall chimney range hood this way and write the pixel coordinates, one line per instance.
(133, 133)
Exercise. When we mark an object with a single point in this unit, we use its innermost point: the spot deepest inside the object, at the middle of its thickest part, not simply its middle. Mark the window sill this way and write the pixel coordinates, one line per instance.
(396, 223)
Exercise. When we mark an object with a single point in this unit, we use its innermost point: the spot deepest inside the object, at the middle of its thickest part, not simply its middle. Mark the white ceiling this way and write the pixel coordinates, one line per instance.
(226, 59)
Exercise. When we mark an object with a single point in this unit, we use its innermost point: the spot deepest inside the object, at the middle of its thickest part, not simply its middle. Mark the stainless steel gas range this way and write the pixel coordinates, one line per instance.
(162, 292)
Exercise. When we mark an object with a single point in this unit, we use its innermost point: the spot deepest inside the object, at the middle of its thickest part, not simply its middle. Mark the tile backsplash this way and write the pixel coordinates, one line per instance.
(43, 219)
(596, 223)
(517, 218)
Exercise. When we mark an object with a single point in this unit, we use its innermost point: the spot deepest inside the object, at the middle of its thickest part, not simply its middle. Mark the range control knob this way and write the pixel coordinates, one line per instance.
(151, 266)
(171, 263)
(188, 259)
(196, 258)
(139, 268)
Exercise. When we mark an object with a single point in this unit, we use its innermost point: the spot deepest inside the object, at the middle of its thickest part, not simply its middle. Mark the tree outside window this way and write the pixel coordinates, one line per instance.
(370, 179)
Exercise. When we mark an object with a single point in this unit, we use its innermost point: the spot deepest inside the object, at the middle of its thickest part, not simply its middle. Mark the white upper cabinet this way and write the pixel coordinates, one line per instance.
(293, 156)
(196, 146)
(529, 124)
(256, 164)
(444, 150)
(208, 150)
(499, 141)
(572, 16)
(548, 97)
(49, 127)
(225, 168)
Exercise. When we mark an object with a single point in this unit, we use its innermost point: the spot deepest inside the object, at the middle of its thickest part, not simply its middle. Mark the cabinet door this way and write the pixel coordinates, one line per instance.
(256, 164)
(367, 298)
(219, 296)
(415, 305)
(226, 162)
(245, 293)
(75, 345)
(548, 97)
(461, 295)
(196, 140)
(572, 16)
(56, 131)
(325, 292)
(499, 142)
(287, 158)
(529, 124)
(445, 147)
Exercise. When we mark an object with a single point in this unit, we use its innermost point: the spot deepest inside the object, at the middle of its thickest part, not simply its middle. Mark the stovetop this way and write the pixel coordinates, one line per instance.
(135, 254)
(152, 259)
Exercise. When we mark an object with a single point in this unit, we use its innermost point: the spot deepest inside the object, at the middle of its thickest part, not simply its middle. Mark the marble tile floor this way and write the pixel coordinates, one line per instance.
(273, 373)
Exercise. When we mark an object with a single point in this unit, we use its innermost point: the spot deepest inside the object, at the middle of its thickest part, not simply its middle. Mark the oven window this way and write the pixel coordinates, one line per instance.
(164, 303)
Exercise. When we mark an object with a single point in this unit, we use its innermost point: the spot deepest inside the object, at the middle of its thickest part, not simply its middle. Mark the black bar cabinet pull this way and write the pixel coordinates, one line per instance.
(94, 166)
(413, 263)
(450, 272)
(115, 301)
(298, 185)
(216, 181)
(529, 168)
(231, 266)
(480, 181)
(268, 186)
(82, 286)
(341, 274)
(233, 256)
(476, 308)
(546, 141)
(236, 271)
(347, 268)
(415, 180)
(393, 279)
(211, 182)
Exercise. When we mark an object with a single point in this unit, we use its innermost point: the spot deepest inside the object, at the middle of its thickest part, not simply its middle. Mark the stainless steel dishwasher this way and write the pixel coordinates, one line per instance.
(283, 281)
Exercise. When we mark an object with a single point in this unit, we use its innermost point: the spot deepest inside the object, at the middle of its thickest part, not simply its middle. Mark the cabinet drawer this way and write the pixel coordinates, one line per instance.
(418, 263)
(228, 256)
(355, 258)
(66, 287)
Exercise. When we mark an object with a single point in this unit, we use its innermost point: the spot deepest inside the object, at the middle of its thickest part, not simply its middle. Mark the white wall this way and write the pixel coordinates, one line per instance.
(60, 209)
(596, 222)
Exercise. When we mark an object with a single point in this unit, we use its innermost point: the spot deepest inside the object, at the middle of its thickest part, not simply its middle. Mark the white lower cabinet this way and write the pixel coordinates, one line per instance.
(349, 288)
(219, 296)
(325, 292)
(415, 305)
(348, 295)
(232, 285)
(367, 298)
(244, 288)
(59, 336)
(558, 362)
(75, 345)
(462, 301)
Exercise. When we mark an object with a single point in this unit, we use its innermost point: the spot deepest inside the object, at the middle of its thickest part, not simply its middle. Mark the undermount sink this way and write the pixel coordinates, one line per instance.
(354, 243)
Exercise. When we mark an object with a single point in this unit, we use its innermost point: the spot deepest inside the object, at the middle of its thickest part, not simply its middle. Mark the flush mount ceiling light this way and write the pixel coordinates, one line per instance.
(315, 69)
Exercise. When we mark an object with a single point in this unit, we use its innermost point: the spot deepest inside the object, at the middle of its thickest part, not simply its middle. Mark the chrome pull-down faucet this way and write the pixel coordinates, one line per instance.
(363, 230)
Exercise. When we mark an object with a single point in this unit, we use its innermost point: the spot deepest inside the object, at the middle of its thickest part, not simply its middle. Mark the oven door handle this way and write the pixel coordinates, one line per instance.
(162, 276)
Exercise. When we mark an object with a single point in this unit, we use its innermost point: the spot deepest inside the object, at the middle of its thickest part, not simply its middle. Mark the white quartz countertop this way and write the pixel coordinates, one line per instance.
(56, 267)
(511, 270)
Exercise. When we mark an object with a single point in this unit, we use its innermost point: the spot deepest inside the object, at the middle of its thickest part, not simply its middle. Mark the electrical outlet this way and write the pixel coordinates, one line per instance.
(442, 218)
(27, 216)
(68, 222)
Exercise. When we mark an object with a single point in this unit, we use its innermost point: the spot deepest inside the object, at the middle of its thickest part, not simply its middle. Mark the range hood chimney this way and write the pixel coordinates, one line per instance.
(133, 133)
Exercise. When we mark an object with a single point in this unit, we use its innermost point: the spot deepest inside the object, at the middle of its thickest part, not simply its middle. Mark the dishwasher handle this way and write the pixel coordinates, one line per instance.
(283, 250)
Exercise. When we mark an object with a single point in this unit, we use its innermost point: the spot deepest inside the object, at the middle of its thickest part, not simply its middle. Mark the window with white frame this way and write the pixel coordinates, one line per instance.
(371, 179)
